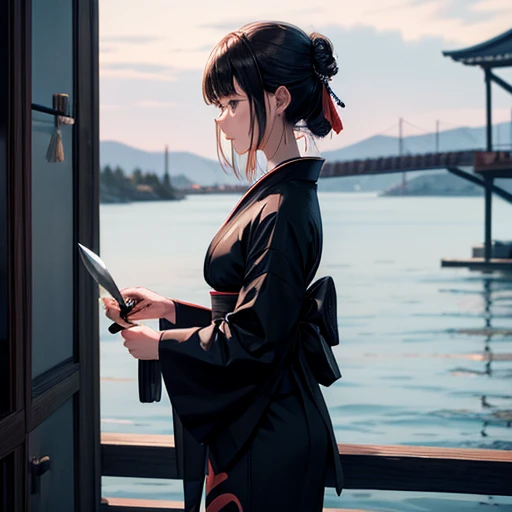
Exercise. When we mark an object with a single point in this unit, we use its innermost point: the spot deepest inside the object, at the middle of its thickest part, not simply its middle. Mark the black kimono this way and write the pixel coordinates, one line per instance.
(241, 383)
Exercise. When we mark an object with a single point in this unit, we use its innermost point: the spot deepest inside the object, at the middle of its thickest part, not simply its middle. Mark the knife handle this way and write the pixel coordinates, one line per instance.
(115, 328)
(150, 376)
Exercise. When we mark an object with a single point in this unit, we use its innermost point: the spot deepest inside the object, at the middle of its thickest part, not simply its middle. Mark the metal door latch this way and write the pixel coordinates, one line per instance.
(38, 467)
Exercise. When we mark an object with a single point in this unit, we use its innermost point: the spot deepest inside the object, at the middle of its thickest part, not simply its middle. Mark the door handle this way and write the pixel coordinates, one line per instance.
(38, 467)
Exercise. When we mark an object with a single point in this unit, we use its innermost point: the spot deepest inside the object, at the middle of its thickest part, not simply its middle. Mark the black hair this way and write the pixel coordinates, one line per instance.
(262, 56)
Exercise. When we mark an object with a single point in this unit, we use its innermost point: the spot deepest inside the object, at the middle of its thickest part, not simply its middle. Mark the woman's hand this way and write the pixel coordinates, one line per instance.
(141, 341)
(148, 305)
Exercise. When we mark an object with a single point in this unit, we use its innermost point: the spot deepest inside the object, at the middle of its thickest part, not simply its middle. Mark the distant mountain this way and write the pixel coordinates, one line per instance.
(436, 184)
(441, 183)
(196, 168)
(457, 139)
(206, 171)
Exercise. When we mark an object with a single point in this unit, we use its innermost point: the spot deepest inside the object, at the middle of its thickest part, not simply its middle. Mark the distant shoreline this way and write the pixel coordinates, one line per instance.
(178, 194)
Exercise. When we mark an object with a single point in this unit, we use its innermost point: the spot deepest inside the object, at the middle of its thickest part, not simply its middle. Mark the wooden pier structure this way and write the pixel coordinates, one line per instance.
(490, 54)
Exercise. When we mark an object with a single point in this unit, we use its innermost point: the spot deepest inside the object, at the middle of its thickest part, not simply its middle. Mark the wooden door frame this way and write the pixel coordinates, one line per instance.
(13, 427)
(86, 231)
(34, 401)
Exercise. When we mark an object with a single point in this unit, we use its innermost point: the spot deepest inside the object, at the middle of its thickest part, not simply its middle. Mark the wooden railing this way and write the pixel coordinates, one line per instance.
(483, 162)
(391, 468)
(386, 165)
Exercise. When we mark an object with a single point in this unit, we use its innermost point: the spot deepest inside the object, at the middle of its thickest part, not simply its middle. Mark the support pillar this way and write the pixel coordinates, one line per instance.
(488, 219)
(488, 106)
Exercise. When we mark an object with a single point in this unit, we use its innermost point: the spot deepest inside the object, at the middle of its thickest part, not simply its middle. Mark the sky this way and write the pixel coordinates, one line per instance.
(152, 56)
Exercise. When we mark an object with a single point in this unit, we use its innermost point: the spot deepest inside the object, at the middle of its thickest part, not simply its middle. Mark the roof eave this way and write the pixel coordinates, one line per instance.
(472, 56)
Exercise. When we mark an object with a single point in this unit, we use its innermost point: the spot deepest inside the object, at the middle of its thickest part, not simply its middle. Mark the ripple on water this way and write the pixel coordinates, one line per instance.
(426, 387)
(496, 373)
(367, 409)
(490, 417)
(396, 377)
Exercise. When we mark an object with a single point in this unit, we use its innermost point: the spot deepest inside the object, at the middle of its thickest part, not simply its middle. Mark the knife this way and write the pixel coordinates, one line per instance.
(150, 380)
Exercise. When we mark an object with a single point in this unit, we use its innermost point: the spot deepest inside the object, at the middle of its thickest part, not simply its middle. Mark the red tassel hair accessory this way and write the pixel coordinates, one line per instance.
(328, 107)
(330, 112)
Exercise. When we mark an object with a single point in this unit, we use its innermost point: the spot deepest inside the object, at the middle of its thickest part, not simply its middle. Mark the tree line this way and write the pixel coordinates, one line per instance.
(116, 186)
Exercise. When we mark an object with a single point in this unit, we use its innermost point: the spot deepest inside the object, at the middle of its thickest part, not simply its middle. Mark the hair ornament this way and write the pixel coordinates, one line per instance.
(325, 81)
(328, 107)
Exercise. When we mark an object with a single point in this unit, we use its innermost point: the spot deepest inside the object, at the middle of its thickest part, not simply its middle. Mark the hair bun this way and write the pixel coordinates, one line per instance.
(318, 125)
(323, 58)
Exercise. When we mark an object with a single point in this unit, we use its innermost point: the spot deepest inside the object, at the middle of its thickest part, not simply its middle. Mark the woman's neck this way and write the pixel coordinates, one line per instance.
(281, 151)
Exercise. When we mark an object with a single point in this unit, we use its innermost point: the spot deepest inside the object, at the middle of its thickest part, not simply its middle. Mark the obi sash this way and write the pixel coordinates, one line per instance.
(318, 326)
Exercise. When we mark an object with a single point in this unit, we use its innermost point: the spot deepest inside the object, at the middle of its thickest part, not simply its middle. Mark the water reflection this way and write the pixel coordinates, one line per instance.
(497, 295)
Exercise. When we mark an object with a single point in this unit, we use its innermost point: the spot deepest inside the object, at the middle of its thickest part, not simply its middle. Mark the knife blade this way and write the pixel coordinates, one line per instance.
(150, 380)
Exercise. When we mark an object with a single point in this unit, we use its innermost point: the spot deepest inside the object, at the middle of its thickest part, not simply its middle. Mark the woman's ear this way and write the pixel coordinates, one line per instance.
(283, 99)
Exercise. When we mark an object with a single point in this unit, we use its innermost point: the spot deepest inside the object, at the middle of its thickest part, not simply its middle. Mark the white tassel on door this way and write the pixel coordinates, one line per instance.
(55, 152)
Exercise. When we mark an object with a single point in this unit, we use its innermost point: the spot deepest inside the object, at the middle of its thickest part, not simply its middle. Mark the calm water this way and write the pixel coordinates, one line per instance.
(411, 353)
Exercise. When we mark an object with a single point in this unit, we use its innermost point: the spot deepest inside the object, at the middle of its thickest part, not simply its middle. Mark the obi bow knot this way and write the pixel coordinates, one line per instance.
(318, 330)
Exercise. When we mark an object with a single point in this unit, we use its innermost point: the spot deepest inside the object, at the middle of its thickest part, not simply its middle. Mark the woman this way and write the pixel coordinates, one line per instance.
(243, 377)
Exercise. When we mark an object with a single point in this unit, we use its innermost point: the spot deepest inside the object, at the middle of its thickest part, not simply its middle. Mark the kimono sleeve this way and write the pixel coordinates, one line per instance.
(187, 315)
(212, 373)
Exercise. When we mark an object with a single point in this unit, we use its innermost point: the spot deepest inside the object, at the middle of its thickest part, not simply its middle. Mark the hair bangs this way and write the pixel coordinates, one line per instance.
(233, 59)
(219, 73)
